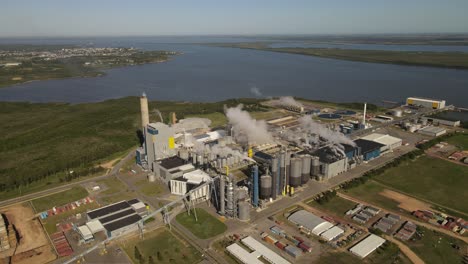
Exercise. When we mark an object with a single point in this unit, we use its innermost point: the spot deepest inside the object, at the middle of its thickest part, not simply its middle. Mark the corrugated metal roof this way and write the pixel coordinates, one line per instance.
(266, 253)
(310, 221)
(243, 255)
(367, 246)
(331, 233)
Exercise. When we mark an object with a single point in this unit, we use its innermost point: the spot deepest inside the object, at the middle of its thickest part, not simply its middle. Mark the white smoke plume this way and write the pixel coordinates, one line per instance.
(246, 129)
(256, 91)
(334, 137)
(289, 101)
(191, 123)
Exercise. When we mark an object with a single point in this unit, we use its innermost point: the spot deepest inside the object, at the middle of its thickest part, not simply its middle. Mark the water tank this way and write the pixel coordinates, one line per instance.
(184, 154)
(244, 211)
(397, 113)
(200, 159)
(296, 172)
(151, 177)
(315, 168)
(265, 186)
(306, 162)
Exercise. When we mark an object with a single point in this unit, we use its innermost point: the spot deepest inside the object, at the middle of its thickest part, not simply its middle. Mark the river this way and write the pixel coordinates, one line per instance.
(205, 73)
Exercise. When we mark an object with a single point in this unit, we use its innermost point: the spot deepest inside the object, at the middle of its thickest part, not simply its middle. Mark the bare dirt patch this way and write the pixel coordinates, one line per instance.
(33, 240)
(109, 164)
(405, 202)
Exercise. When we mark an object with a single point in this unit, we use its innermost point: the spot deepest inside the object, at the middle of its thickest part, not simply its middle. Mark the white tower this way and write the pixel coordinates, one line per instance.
(144, 111)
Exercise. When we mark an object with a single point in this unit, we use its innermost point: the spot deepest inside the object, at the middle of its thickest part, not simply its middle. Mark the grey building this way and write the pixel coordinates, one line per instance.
(331, 164)
(159, 142)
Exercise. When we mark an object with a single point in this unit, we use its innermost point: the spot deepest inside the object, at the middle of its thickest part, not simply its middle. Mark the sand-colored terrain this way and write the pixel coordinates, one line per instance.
(405, 202)
(33, 245)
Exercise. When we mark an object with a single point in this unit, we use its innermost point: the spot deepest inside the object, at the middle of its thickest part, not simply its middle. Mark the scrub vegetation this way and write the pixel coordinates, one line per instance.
(456, 60)
(43, 145)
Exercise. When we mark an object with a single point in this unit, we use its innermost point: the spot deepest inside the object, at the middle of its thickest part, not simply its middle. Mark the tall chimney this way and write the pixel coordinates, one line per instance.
(364, 115)
(144, 111)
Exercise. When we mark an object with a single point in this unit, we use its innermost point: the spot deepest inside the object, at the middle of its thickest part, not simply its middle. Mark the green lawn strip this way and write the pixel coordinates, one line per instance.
(163, 247)
(336, 205)
(113, 184)
(431, 179)
(207, 225)
(435, 247)
(59, 199)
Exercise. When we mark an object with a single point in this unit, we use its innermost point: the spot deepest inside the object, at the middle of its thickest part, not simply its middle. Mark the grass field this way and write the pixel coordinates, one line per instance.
(113, 184)
(163, 247)
(370, 192)
(388, 253)
(149, 188)
(432, 179)
(207, 225)
(459, 140)
(59, 199)
(337, 206)
(435, 247)
(51, 221)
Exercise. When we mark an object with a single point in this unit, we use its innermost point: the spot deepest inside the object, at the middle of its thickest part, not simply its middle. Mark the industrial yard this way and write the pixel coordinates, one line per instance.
(281, 185)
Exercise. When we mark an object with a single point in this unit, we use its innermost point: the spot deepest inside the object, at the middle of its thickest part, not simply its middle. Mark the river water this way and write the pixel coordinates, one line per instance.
(205, 73)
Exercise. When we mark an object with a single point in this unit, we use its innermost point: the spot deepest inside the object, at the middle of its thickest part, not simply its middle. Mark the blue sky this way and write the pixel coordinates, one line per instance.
(200, 17)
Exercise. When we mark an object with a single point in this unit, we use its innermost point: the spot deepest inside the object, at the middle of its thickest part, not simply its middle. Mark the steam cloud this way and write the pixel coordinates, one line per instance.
(256, 91)
(245, 128)
(289, 101)
(336, 139)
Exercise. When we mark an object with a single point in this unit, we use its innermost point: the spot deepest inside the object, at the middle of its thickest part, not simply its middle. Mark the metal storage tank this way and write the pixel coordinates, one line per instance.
(306, 161)
(194, 158)
(282, 172)
(184, 154)
(200, 159)
(222, 198)
(242, 193)
(315, 169)
(397, 113)
(151, 177)
(287, 161)
(265, 186)
(244, 211)
(296, 171)
(274, 180)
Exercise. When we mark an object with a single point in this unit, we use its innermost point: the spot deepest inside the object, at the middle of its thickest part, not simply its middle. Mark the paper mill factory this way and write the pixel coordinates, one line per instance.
(251, 163)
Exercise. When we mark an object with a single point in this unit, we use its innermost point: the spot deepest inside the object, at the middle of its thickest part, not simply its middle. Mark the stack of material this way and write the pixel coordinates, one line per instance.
(4, 241)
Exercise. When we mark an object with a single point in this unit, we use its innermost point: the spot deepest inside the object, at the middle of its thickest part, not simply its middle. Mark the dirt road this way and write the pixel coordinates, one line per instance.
(406, 250)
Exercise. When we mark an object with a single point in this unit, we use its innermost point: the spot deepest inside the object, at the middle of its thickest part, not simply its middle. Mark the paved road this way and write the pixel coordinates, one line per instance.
(68, 186)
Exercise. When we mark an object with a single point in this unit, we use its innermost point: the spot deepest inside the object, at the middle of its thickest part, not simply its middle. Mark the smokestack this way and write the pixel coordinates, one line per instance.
(255, 193)
(222, 196)
(144, 111)
(364, 115)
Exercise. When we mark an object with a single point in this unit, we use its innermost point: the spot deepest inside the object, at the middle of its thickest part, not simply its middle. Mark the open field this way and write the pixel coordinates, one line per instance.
(405, 202)
(336, 205)
(59, 199)
(33, 246)
(435, 180)
(435, 247)
(149, 188)
(456, 60)
(163, 247)
(113, 185)
(60, 138)
(459, 140)
(370, 191)
(207, 225)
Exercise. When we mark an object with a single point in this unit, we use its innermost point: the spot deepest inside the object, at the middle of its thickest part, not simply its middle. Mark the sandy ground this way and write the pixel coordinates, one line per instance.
(405, 202)
(109, 164)
(34, 246)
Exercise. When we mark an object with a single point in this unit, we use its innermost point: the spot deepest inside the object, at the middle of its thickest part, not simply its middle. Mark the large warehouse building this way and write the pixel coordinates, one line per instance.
(190, 181)
(425, 102)
(330, 164)
(367, 246)
(311, 222)
(258, 250)
(117, 218)
(369, 149)
(389, 143)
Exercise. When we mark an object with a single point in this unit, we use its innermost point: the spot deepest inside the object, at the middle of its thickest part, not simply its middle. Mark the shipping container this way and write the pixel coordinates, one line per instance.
(293, 240)
(305, 247)
(299, 238)
(270, 239)
(280, 245)
(293, 251)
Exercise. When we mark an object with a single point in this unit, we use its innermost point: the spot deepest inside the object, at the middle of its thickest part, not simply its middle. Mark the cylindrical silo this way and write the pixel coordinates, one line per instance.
(296, 171)
(265, 186)
(282, 173)
(306, 161)
(223, 163)
(222, 198)
(275, 175)
(194, 158)
(230, 198)
(287, 161)
(242, 193)
(315, 169)
(255, 183)
(244, 211)
(200, 159)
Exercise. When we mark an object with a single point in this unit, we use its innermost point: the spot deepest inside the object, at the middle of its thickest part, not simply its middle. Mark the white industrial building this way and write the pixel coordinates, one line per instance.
(190, 181)
(425, 102)
(432, 131)
(330, 164)
(159, 143)
(258, 250)
(332, 233)
(439, 121)
(85, 233)
(367, 246)
(171, 168)
(309, 221)
(389, 143)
